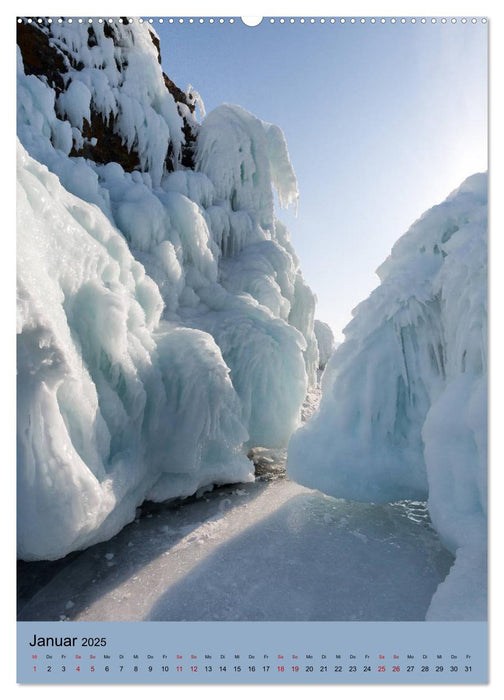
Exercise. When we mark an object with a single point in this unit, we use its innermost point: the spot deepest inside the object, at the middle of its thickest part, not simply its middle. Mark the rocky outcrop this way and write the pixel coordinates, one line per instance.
(39, 56)
(46, 57)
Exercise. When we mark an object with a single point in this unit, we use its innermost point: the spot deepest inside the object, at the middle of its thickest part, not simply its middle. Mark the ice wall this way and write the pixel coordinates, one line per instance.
(114, 405)
(164, 324)
(403, 408)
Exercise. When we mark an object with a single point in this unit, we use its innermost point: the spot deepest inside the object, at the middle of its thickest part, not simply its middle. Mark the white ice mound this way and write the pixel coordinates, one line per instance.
(403, 408)
(109, 411)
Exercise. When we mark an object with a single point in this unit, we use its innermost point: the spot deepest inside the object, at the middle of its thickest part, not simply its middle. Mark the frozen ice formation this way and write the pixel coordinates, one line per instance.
(164, 326)
(163, 322)
(403, 411)
(325, 342)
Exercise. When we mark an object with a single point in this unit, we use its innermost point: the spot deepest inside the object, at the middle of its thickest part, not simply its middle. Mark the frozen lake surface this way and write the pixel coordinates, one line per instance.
(269, 550)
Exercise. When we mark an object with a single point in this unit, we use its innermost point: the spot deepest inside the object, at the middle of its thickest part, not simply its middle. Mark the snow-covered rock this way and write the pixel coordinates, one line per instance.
(164, 324)
(403, 407)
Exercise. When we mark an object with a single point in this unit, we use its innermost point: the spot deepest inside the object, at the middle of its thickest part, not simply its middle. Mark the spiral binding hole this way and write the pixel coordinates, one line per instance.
(255, 21)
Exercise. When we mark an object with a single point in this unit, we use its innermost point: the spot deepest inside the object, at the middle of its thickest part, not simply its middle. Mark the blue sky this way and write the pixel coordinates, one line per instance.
(382, 121)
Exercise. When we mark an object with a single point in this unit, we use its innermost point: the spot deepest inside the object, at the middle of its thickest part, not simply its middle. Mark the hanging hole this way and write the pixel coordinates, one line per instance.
(251, 21)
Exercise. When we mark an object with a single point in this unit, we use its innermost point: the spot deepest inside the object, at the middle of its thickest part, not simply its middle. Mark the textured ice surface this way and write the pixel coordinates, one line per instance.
(113, 405)
(403, 412)
(455, 454)
(325, 342)
(268, 551)
(164, 324)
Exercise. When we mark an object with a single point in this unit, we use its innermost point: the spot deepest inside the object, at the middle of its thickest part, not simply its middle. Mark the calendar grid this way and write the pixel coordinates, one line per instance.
(326, 652)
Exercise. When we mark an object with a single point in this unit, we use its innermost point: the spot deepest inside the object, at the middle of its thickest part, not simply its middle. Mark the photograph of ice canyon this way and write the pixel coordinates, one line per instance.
(251, 320)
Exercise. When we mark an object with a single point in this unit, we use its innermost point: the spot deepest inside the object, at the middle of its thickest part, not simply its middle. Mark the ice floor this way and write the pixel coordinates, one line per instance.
(269, 550)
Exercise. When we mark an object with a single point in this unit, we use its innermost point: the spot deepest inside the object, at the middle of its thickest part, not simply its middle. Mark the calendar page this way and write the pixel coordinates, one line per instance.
(252, 349)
